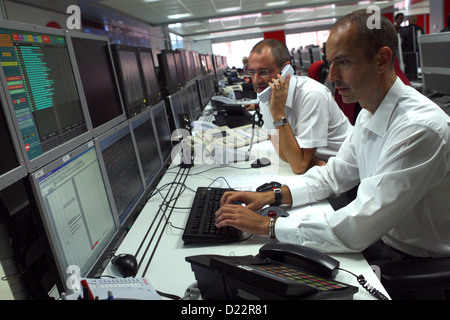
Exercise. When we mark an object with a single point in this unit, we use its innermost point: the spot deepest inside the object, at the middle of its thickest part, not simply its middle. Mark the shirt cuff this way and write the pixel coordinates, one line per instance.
(299, 193)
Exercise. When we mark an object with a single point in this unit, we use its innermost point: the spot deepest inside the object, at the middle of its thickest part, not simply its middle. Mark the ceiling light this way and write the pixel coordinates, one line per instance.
(179, 16)
(230, 9)
(277, 3)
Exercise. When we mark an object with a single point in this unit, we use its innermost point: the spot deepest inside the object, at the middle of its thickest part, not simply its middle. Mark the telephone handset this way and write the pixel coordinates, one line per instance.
(264, 96)
(279, 271)
(302, 257)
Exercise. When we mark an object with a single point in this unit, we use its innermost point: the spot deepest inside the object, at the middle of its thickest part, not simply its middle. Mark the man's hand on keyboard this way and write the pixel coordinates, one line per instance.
(252, 200)
(242, 218)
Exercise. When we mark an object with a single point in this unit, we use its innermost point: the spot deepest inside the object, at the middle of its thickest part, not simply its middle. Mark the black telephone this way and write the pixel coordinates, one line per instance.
(279, 271)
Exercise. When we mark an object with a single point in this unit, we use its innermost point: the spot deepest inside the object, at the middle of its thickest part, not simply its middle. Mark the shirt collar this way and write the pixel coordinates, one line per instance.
(380, 120)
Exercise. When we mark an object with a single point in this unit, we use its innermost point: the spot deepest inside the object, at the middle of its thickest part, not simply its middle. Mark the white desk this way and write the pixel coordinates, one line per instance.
(159, 247)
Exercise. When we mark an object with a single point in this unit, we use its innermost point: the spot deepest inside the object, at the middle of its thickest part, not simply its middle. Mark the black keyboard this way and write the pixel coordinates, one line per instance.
(200, 227)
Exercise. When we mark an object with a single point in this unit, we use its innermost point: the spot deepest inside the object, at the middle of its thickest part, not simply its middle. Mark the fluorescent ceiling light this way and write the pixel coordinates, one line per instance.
(230, 9)
(277, 3)
(179, 16)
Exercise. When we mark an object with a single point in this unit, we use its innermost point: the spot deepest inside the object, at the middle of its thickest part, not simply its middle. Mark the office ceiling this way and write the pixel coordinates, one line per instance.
(209, 19)
(213, 19)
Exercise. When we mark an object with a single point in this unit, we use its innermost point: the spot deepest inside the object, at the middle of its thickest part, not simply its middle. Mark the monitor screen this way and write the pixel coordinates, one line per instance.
(76, 211)
(316, 54)
(306, 58)
(147, 145)
(12, 166)
(196, 97)
(177, 109)
(151, 84)
(185, 101)
(129, 77)
(180, 68)
(162, 130)
(435, 63)
(99, 82)
(41, 89)
(122, 169)
(186, 61)
(168, 68)
(192, 103)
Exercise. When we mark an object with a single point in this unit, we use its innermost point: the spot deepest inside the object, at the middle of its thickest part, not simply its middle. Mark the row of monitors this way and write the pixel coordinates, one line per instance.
(178, 67)
(304, 58)
(190, 100)
(86, 197)
(60, 89)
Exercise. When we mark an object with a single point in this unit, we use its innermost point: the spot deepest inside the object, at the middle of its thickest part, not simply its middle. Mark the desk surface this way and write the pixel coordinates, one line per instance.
(160, 250)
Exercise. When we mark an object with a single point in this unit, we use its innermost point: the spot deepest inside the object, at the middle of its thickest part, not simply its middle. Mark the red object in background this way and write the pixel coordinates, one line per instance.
(278, 35)
(53, 24)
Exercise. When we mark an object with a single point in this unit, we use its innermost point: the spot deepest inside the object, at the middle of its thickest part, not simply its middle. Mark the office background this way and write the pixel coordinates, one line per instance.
(205, 27)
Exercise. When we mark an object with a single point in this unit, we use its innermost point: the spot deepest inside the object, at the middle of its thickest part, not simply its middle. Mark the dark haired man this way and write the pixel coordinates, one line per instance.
(398, 152)
(309, 124)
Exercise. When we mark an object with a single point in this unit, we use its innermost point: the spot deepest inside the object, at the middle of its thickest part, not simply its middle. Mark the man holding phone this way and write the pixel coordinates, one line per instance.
(309, 124)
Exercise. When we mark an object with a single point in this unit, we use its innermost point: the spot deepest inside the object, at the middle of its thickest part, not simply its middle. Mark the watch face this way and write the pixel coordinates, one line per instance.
(284, 120)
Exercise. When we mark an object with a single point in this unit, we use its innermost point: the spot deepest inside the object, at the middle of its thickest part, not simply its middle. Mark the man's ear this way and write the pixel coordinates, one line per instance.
(385, 57)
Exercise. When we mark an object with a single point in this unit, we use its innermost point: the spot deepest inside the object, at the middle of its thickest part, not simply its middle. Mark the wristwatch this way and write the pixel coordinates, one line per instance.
(282, 122)
(278, 196)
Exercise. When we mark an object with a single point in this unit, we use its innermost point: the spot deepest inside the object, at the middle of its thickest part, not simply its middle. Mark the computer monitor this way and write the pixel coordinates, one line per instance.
(176, 109)
(196, 98)
(193, 111)
(159, 118)
(197, 64)
(306, 58)
(120, 164)
(76, 213)
(92, 56)
(144, 133)
(187, 64)
(316, 54)
(150, 79)
(435, 63)
(41, 91)
(12, 165)
(168, 71)
(182, 77)
(126, 60)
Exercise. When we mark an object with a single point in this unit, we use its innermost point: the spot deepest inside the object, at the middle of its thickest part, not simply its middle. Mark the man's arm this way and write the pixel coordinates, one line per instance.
(285, 142)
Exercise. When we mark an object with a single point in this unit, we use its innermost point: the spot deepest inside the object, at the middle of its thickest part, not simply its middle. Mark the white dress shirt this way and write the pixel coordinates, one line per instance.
(314, 117)
(401, 157)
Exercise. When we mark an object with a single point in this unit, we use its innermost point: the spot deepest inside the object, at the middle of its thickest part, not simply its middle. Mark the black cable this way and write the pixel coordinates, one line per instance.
(368, 287)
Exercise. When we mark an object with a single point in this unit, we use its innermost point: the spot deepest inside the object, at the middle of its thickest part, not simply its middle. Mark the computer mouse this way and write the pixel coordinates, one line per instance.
(273, 212)
(268, 186)
(126, 264)
(261, 162)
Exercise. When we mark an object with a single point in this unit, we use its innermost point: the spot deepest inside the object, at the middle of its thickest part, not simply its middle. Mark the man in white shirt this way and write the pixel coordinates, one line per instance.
(310, 127)
(398, 152)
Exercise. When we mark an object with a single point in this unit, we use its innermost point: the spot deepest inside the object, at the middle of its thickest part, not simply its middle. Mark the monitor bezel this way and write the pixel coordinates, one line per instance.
(136, 206)
(51, 240)
(53, 154)
(20, 171)
(123, 116)
(134, 107)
